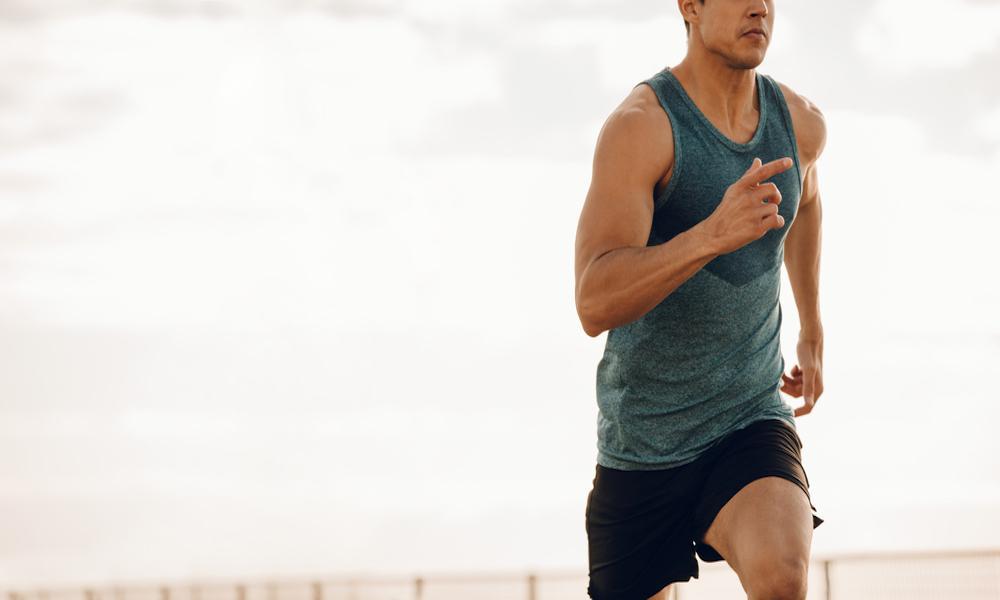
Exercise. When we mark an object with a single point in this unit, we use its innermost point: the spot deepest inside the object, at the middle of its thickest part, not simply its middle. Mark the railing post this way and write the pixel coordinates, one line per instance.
(418, 588)
(826, 579)
(532, 587)
(241, 592)
(164, 593)
(317, 590)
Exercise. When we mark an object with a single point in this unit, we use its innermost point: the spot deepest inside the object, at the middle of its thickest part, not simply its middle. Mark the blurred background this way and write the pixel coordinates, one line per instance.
(286, 292)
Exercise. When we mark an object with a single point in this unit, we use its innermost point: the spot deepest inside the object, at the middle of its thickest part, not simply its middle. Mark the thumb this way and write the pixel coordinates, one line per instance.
(753, 165)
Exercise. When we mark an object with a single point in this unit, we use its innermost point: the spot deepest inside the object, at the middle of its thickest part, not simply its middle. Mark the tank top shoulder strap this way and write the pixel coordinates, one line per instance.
(673, 105)
(774, 96)
(777, 99)
(668, 94)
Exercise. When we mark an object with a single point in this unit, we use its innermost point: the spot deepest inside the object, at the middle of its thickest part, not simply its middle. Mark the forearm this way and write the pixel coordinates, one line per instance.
(802, 260)
(626, 283)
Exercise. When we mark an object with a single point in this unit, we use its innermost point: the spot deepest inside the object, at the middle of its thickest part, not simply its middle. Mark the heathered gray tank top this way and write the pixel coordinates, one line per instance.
(706, 361)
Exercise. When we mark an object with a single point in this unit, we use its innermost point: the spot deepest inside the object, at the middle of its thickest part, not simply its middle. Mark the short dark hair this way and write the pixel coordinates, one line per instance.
(687, 25)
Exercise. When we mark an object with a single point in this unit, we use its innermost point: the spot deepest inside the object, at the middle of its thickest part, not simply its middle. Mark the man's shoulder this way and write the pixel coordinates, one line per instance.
(641, 107)
(807, 121)
(640, 123)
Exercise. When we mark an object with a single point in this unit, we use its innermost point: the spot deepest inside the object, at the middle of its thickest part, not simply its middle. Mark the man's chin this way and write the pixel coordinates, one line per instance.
(747, 62)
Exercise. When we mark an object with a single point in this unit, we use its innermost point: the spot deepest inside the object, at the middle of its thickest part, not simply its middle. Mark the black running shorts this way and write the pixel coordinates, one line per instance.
(643, 527)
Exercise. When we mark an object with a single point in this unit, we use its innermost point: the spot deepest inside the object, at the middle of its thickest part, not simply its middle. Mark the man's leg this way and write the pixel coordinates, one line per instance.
(667, 593)
(765, 533)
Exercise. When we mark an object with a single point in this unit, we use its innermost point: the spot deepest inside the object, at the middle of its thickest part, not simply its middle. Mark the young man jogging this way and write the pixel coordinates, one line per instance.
(704, 183)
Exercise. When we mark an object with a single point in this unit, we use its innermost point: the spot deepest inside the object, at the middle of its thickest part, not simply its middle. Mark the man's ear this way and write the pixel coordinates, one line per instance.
(690, 10)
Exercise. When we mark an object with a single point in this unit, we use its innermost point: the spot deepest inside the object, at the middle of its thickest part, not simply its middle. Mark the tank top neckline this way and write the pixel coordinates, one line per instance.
(762, 118)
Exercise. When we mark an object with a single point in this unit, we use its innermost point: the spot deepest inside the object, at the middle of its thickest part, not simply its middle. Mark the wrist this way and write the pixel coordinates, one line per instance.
(811, 332)
(705, 240)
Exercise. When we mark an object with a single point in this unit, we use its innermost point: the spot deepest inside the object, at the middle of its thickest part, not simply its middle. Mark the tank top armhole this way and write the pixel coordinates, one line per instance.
(664, 194)
(787, 117)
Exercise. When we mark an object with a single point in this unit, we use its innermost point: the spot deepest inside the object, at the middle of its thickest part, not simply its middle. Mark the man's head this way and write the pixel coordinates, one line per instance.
(721, 26)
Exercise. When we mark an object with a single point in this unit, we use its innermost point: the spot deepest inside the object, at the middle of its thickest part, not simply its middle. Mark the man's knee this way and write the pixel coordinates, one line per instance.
(785, 580)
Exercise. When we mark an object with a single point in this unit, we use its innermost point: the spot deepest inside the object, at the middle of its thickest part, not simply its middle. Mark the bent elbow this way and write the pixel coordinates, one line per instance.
(590, 329)
(589, 319)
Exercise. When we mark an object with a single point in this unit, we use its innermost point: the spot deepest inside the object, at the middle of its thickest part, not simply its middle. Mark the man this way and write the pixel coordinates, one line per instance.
(704, 182)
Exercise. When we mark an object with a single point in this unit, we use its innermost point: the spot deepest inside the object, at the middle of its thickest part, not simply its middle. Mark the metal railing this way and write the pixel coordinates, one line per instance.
(956, 575)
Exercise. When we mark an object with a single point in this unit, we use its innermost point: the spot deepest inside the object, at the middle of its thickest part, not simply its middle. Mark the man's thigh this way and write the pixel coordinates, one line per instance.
(756, 513)
(767, 524)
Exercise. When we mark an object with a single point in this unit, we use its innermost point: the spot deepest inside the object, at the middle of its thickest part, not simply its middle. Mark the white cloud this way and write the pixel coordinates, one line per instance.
(903, 35)
(626, 51)
(786, 39)
(251, 182)
(988, 125)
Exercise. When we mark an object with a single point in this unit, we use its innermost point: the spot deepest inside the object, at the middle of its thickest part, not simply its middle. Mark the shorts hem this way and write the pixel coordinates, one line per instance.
(647, 591)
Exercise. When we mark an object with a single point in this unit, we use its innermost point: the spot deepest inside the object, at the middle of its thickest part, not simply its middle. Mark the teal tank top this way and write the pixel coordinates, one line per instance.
(706, 361)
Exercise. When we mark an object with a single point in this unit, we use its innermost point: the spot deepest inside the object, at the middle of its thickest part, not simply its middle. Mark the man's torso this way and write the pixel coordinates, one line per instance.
(705, 361)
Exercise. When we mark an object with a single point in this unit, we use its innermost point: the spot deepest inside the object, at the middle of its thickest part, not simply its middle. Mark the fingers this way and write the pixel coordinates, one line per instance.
(759, 172)
(767, 192)
(803, 410)
(791, 386)
(770, 219)
(769, 195)
(809, 383)
(806, 408)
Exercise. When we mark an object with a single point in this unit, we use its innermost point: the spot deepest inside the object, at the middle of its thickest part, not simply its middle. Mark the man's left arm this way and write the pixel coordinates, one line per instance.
(802, 261)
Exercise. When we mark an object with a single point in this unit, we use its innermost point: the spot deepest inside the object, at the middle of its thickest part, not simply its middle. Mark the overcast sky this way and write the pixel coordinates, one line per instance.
(287, 287)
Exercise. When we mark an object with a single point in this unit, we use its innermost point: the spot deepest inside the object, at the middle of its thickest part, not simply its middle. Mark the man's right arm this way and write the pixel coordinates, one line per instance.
(619, 278)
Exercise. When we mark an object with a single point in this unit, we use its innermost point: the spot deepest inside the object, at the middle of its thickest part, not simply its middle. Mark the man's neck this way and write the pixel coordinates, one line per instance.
(724, 93)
